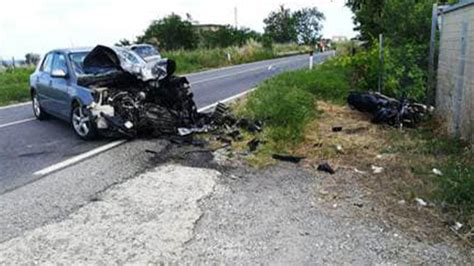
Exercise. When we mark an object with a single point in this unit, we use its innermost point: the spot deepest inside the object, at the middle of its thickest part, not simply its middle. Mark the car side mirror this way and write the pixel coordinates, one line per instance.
(58, 73)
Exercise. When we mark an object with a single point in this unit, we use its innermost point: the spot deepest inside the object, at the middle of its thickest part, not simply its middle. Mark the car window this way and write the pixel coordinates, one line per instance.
(77, 60)
(47, 62)
(59, 62)
(145, 51)
(130, 57)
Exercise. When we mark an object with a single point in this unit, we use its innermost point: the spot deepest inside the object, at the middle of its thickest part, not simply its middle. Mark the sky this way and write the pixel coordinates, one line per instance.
(42, 25)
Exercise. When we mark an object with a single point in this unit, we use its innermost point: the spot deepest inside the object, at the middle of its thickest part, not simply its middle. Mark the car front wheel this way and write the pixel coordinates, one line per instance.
(37, 110)
(82, 123)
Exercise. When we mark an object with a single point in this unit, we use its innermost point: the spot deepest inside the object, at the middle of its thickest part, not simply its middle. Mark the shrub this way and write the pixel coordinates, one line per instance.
(287, 102)
(402, 74)
(14, 85)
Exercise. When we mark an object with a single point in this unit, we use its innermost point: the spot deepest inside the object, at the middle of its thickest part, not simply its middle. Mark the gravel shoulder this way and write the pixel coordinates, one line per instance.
(224, 213)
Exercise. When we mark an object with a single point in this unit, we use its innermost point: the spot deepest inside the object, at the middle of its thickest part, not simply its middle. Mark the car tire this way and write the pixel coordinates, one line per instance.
(82, 124)
(38, 111)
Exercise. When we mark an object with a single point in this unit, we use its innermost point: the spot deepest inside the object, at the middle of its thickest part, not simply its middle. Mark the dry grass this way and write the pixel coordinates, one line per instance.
(406, 171)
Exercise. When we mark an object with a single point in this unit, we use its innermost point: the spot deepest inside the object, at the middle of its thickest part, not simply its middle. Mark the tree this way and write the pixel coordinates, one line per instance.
(303, 25)
(280, 25)
(367, 17)
(308, 24)
(170, 33)
(123, 42)
(227, 36)
(32, 59)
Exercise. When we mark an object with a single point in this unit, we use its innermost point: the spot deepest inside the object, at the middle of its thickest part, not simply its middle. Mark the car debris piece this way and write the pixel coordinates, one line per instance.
(336, 128)
(235, 135)
(359, 171)
(376, 169)
(456, 226)
(437, 172)
(384, 109)
(253, 144)
(421, 202)
(288, 158)
(325, 167)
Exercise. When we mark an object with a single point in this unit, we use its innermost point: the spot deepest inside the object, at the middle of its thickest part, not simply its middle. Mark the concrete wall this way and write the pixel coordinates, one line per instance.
(455, 87)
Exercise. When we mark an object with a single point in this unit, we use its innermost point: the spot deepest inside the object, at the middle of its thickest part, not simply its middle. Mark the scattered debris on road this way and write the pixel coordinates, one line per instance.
(336, 128)
(421, 202)
(457, 226)
(325, 167)
(386, 110)
(376, 169)
(437, 172)
(288, 158)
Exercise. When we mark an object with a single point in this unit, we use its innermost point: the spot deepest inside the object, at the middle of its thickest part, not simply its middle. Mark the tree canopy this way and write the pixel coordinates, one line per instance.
(171, 33)
(303, 25)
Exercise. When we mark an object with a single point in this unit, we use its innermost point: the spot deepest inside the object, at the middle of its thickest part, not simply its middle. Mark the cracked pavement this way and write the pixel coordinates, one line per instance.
(182, 214)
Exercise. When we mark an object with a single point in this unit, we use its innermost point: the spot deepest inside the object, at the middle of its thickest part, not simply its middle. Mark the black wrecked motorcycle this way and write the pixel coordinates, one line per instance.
(387, 110)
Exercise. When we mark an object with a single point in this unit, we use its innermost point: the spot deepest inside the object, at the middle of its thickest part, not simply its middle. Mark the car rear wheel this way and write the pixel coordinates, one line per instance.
(82, 123)
(37, 110)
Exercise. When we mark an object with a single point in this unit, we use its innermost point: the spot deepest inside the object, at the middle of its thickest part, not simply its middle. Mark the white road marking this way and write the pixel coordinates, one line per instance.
(274, 61)
(15, 105)
(111, 145)
(79, 158)
(228, 75)
(205, 108)
(17, 122)
(268, 67)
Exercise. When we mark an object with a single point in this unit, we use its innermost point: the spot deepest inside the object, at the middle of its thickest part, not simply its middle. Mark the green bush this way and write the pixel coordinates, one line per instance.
(402, 74)
(287, 102)
(284, 109)
(14, 85)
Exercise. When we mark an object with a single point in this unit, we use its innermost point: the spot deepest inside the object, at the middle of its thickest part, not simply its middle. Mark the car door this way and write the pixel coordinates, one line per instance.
(59, 85)
(43, 83)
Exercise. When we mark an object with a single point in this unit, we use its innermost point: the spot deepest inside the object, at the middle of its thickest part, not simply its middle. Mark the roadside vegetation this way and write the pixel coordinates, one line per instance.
(299, 109)
(188, 61)
(14, 84)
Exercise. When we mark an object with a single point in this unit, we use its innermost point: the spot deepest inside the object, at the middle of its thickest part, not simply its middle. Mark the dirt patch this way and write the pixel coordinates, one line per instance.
(360, 150)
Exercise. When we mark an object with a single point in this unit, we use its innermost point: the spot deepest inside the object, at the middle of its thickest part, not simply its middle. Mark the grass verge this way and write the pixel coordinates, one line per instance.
(14, 84)
(299, 110)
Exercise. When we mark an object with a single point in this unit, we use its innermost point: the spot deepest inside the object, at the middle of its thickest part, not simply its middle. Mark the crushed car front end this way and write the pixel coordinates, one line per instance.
(132, 96)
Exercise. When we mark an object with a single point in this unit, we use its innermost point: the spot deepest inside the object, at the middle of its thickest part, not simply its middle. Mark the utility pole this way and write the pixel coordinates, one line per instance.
(236, 23)
(381, 63)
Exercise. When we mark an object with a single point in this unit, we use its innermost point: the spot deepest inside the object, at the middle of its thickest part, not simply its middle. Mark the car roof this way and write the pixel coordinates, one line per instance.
(141, 45)
(73, 50)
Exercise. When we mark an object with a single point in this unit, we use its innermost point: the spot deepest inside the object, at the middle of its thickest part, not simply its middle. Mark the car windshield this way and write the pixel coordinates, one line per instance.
(129, 56)
(145, 51)
(77, 60)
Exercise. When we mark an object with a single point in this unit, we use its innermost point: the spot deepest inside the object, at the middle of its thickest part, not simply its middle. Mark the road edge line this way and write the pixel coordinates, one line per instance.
(17, 122)
(14, 105)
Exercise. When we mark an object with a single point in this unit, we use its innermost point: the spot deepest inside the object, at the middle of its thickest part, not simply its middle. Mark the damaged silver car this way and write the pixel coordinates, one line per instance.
(112, 91)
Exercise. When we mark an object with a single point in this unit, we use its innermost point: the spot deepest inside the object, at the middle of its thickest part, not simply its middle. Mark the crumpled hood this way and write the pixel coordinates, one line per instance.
(102, 59)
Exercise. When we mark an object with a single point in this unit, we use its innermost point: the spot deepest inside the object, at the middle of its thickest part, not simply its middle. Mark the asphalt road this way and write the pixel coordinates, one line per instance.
(28, 200)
